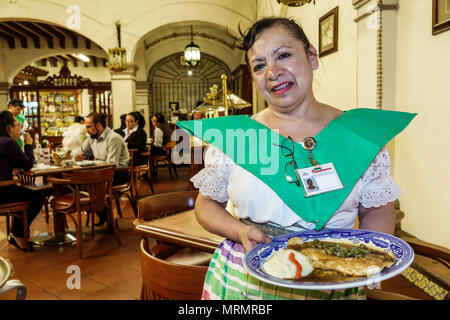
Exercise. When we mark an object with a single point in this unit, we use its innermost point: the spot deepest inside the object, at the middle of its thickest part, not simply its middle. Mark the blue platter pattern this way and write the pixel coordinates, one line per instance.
(404, 254)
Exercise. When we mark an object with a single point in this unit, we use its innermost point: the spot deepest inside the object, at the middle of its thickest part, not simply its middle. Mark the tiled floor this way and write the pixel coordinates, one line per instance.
(107, 272)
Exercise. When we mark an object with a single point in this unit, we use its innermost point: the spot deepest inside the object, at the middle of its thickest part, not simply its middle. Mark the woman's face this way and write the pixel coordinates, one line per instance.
(281, 69)
(155, 122)
(131, 122)
(14, 130)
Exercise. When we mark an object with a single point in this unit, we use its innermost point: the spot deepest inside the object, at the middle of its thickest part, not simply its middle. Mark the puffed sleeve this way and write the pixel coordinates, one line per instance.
(212, 181)
(378, 187)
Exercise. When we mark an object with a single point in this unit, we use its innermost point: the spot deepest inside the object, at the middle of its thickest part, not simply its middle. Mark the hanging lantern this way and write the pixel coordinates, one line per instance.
(295, 3)
(192, 52)
(118, 55)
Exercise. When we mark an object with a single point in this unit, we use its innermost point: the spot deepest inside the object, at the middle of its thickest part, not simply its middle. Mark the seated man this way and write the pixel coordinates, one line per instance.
(106, 145)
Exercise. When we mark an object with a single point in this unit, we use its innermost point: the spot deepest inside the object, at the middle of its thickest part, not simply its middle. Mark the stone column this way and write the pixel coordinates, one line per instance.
(123, 86)
(4, 95)
(142, 103)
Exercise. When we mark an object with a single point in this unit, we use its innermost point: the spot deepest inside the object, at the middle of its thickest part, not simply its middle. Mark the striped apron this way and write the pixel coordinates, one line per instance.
(227, 279)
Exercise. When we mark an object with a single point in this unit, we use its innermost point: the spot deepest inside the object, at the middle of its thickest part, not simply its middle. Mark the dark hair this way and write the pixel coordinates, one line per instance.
(6, 119)
(16, 103)
(97, 118)
(159, 117)
(78, 119)
(139, 117)
(248, 37)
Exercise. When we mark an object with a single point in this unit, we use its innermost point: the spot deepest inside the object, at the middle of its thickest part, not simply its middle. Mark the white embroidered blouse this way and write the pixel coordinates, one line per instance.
(223, 180)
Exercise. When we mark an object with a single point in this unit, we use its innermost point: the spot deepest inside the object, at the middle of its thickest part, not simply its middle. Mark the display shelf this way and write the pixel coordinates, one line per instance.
(58, 110)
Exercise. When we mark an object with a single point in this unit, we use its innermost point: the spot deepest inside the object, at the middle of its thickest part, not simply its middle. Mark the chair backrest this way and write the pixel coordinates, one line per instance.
(27, 178)
(164, 280)
(97, 182)
(428, 277)
(169, 146)
(131, 153)
(154, 206)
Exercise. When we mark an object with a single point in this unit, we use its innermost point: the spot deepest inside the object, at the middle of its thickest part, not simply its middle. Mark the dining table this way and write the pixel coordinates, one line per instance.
(62, 235)
(181, 229)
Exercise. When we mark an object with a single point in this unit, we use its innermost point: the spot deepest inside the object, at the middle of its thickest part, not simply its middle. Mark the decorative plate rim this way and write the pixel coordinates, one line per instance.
(5, 269)
(255, 258)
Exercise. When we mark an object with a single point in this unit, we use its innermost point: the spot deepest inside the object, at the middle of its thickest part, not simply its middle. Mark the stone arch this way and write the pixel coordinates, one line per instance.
(16, 59)
(219, 14)
(201, 68)
(136, 21)
(168, 82)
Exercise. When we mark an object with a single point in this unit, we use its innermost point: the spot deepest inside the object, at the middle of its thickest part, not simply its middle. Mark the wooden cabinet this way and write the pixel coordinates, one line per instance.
(53, 103)
(58, 110)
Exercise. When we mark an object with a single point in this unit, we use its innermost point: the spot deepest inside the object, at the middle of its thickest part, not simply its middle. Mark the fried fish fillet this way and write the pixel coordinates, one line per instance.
(369, 263)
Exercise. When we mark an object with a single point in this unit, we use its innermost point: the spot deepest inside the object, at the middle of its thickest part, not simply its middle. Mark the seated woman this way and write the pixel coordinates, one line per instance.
(157, 146)
(13, 158)
(135, 136)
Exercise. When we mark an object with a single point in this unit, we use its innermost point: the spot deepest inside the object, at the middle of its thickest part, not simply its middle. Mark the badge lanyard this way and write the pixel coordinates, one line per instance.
(318, 178)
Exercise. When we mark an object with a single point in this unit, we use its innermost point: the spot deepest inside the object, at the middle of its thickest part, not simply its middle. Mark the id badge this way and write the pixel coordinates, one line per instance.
(319, 179)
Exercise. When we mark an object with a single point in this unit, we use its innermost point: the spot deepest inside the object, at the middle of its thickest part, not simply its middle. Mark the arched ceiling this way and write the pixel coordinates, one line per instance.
(181, 31)
(26, 33)
(215, 42)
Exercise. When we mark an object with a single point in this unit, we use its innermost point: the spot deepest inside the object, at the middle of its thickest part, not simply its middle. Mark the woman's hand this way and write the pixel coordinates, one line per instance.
(215, 219)
(250, 236)
(16, 171)
(28, 139)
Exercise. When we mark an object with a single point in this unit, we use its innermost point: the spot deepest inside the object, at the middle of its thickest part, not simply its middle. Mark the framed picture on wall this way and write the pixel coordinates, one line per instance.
(328, 32)
(441, 16)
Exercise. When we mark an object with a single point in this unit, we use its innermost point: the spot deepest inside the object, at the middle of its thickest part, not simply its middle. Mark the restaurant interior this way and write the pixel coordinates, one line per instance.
(180, 59)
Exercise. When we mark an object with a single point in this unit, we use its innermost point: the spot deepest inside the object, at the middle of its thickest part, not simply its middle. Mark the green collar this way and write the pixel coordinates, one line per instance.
(350, 142)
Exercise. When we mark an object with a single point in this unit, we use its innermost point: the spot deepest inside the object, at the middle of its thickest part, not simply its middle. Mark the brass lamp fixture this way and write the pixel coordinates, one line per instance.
(192, 52)
(216, 101)
(118, 55)
(295, 3)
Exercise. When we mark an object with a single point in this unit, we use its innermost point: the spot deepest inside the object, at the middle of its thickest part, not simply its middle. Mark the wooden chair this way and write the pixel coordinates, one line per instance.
(130, 189)
(428, 277)
(98, 196)
(165, 159)
(139, 170)
(28, 180)
(160, 205)
(145, 169)
(126, 189)
(15, 209)
(163, 280)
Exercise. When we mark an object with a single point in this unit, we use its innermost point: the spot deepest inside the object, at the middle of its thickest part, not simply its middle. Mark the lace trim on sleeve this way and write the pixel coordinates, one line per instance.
(378, 187)
(212, 181)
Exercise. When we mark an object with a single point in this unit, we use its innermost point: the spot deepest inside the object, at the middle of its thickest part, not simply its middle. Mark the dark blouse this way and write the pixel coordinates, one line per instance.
(12, 156)
(137, 140)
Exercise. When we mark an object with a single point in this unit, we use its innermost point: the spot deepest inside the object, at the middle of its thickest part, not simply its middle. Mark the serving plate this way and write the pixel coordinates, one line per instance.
(398, 248)
(5, 271)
